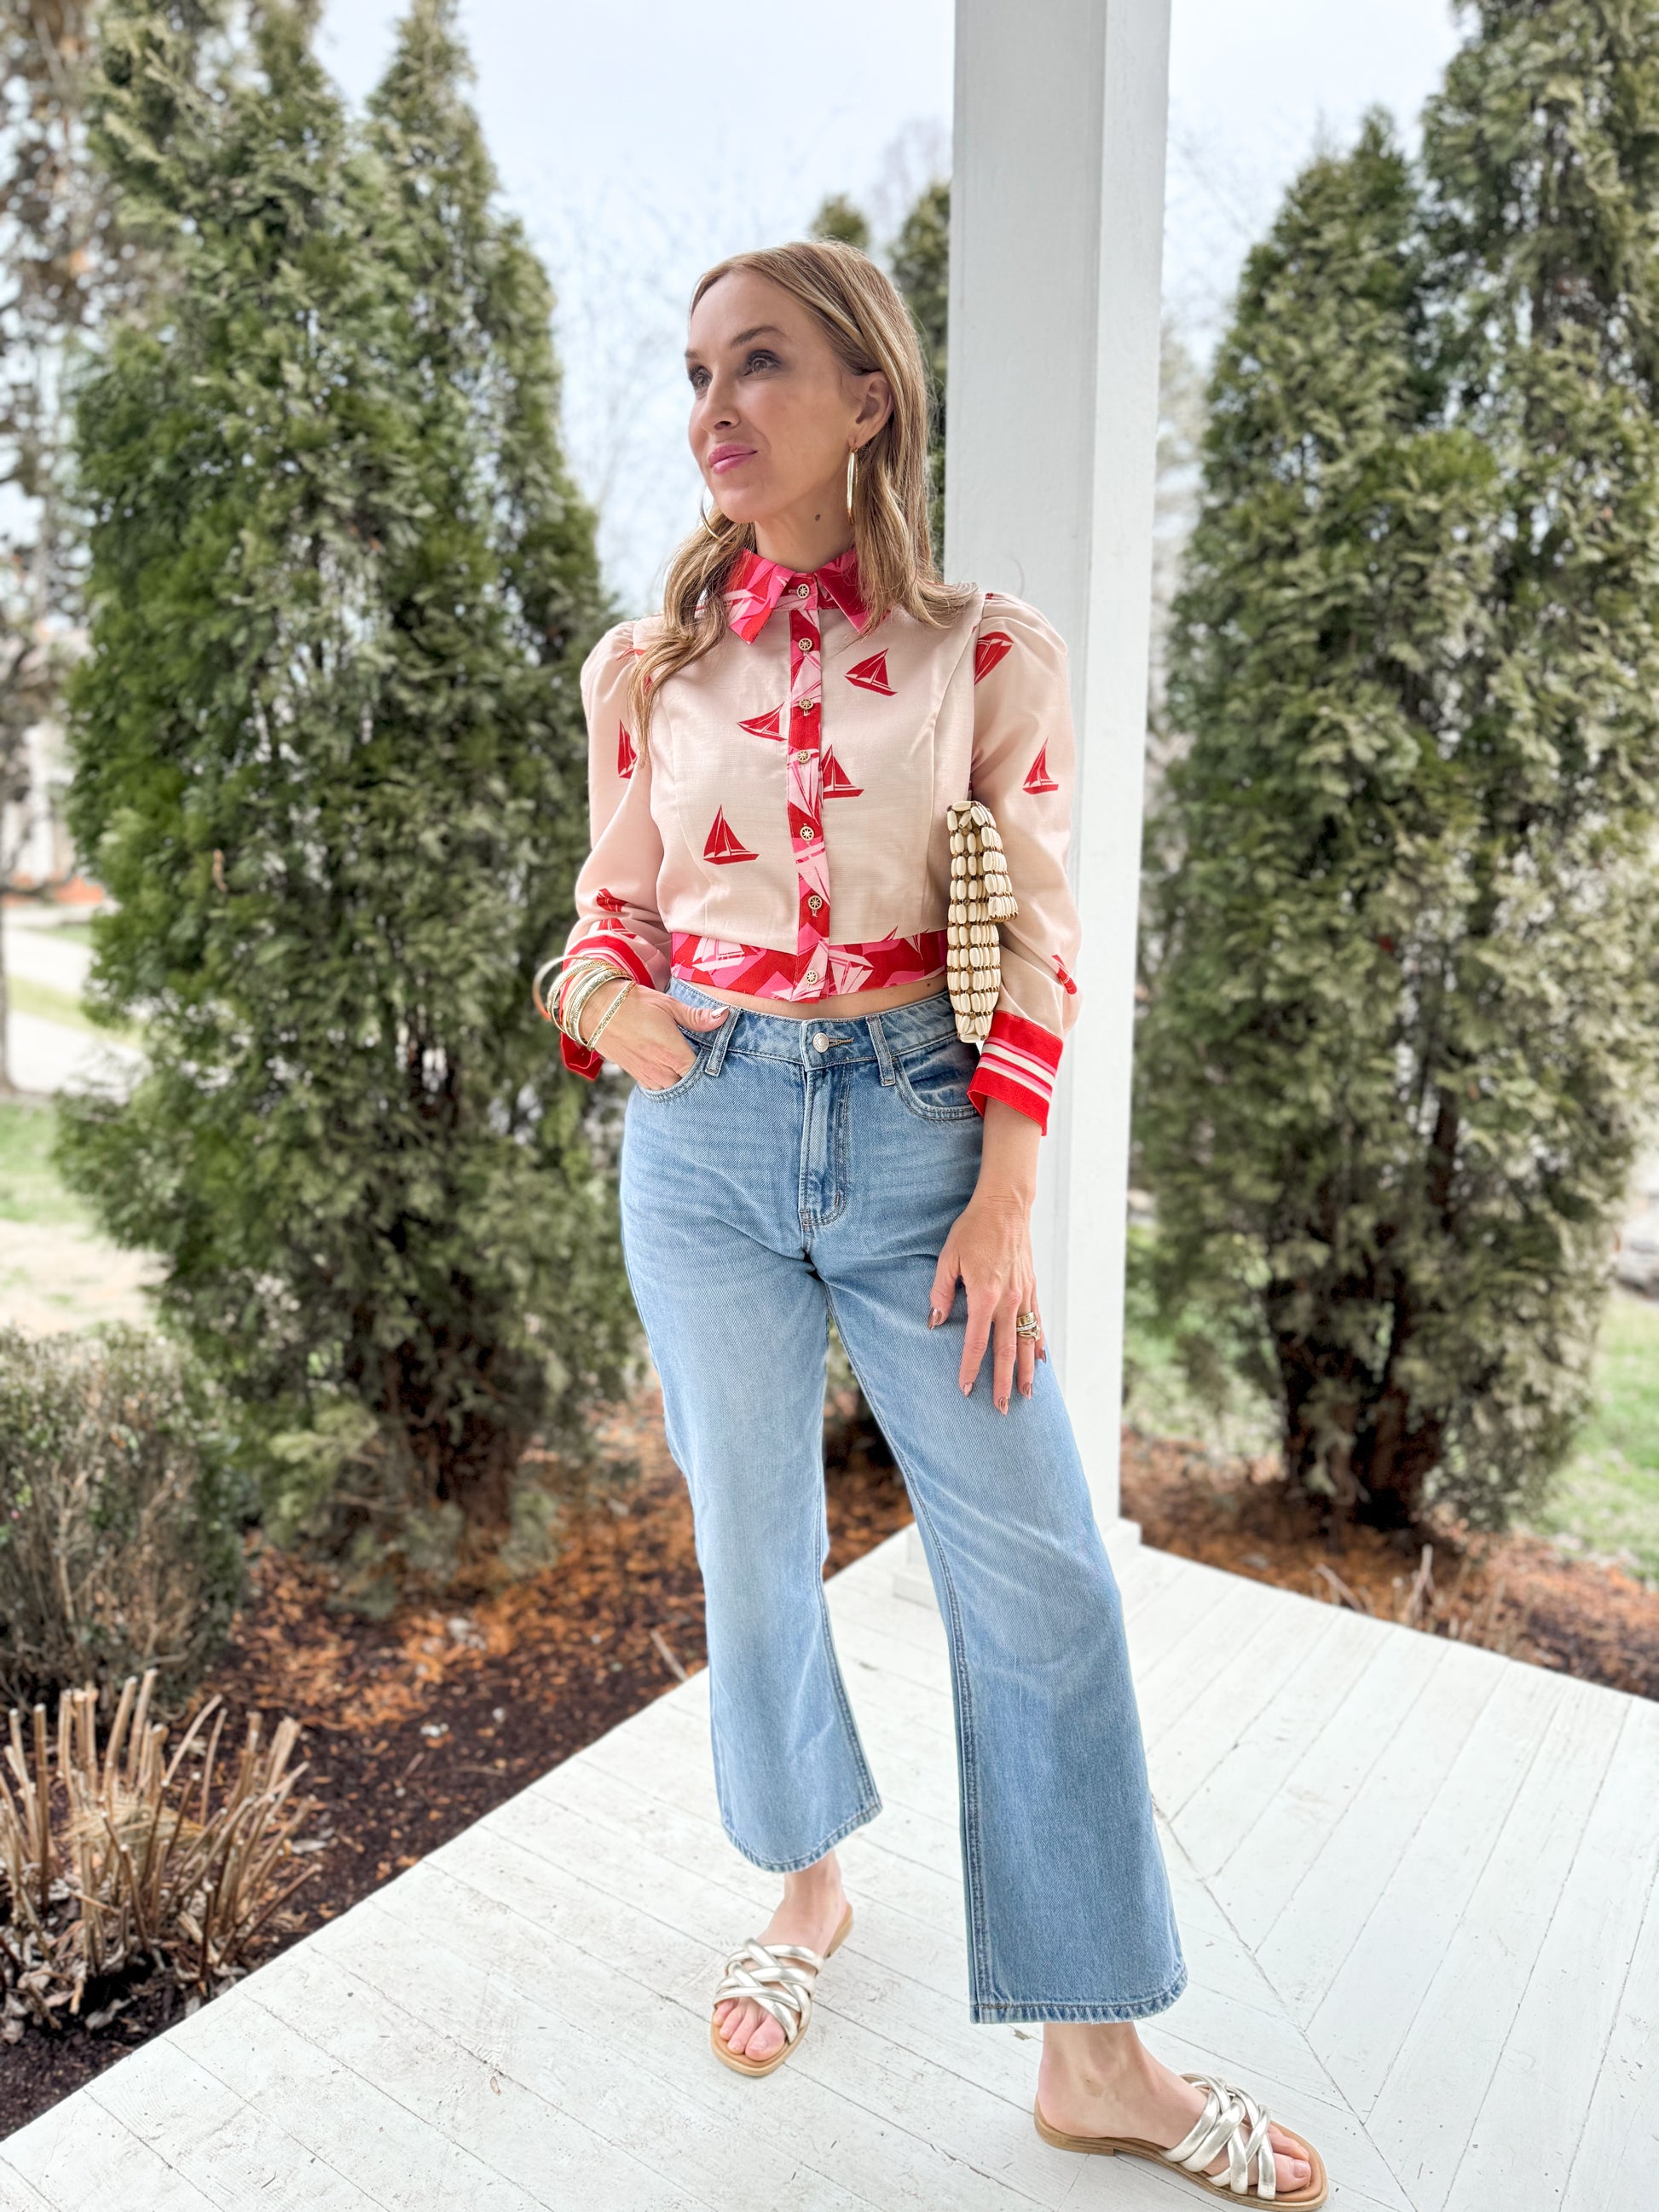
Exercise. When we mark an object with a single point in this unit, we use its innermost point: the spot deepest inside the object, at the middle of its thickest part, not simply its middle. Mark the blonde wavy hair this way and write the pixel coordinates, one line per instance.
(862, 315)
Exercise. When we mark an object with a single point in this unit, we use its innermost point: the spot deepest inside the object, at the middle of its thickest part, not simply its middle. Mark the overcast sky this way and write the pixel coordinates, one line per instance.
(640, 140)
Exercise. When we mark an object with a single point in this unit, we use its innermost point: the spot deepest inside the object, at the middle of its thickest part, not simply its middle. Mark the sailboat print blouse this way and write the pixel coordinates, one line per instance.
(779, 829)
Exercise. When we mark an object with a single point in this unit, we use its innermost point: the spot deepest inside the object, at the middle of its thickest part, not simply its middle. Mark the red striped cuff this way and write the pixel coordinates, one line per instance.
(614, 944)
(1018, 1063)
(619, 950)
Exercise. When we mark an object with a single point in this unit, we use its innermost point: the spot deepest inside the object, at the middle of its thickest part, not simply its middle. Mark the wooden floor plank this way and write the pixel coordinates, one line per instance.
(1620, 2135)
(534, 2022)
(17, 2195)
(1270, 1750)
(1455, 2028)
(879, 2122)
(1303, 1949)
(548, 2149)
(404, 2159)
(1366, 2010)
(80, 2159)
(1257, 1865)
(1416, 1928)
(1524, 2141)
(234, 2156)
(1242, 1689)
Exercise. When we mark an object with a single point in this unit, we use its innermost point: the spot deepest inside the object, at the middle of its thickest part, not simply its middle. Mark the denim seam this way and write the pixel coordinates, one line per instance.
(860, 1818)
(837, 1114)
(848, 1719)
(966, 1736)
(969, 1747)
(1039, 2008)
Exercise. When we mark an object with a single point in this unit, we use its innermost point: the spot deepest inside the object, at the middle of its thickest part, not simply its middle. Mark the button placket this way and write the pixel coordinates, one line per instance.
(800, 727)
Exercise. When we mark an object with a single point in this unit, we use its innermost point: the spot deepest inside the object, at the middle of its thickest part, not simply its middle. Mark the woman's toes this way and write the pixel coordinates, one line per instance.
(1291, 2170)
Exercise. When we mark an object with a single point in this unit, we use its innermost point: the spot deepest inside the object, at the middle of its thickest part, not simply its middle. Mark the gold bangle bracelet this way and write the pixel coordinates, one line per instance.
(606, 1018)
(579, 989)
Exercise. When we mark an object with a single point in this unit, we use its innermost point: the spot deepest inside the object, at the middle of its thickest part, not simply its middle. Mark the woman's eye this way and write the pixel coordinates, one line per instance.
(699, 377)
(767, 360)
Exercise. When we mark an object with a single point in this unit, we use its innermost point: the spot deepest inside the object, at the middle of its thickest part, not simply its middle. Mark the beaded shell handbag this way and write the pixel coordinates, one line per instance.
(981, 899)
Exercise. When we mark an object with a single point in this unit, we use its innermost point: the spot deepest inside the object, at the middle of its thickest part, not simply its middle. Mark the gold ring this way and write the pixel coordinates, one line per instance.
(1027, 1325)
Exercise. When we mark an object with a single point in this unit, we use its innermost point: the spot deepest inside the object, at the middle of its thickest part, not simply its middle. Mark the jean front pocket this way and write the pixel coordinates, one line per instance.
(692, 1076)
(933, 1079)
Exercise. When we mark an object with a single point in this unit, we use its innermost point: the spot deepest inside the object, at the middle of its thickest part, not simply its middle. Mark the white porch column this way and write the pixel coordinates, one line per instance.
(1056, 241)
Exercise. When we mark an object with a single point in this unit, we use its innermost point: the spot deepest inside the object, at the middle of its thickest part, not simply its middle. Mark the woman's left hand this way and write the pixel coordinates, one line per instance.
(989, 1250)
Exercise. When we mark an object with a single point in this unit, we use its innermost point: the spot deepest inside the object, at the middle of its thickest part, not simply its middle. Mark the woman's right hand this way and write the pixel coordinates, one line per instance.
(645, 1036)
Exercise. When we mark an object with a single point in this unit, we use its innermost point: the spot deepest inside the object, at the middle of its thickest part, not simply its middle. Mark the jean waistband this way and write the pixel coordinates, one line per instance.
(847, 1040)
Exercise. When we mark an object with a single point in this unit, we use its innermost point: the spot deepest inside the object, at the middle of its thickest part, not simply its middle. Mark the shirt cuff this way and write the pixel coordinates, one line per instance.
(611, 941)
(1018, 1063)
(613, 947)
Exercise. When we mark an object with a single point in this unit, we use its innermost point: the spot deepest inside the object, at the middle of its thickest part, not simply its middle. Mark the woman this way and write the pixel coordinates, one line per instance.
(761, 943)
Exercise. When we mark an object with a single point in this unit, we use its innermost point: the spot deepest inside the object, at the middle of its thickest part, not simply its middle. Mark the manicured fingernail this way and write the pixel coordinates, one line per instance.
(1002, 1405)
(966, 1390)
(934, 1316)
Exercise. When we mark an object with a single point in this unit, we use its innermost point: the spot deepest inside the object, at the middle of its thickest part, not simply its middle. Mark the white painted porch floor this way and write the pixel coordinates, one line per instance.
(1416, 1885)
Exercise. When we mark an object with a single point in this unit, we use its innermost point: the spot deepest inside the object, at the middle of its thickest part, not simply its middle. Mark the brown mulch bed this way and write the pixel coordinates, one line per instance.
(417, 1725)
(1516, 1595)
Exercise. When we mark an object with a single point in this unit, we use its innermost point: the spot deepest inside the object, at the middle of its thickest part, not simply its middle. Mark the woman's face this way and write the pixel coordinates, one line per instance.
(774, 412)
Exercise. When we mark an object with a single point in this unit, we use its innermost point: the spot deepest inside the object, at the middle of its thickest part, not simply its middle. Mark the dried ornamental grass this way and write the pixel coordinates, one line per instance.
(118, 1864)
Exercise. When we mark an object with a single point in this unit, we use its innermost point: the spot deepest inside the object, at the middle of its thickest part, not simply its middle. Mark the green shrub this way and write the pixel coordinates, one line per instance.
(120, 1514)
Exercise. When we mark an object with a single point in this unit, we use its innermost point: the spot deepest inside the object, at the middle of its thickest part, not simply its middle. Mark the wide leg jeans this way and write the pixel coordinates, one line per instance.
(805, 1168)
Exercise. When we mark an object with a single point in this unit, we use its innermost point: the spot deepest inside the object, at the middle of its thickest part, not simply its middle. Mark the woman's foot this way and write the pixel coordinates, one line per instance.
(814, 1905)
(1097, 2078)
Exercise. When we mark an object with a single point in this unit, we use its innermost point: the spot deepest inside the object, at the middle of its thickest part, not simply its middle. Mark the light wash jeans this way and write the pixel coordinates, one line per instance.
(803, 1168)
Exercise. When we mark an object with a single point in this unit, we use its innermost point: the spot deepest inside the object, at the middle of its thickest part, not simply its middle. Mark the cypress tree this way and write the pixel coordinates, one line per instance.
(330, 758)
(1404, 1014)
(920, 262)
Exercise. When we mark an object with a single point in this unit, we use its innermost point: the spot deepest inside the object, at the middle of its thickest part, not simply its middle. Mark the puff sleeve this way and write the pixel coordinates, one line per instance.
(1024, 769)
(617, 891)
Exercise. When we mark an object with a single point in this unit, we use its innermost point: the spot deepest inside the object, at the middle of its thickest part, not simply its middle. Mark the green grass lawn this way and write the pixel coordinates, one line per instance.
(31, 1188)
(1607, 1495)
(1606, 1499)
(53, 1005)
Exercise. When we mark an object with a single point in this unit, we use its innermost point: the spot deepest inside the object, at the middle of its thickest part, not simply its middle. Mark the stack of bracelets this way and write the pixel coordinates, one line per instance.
(587, 972)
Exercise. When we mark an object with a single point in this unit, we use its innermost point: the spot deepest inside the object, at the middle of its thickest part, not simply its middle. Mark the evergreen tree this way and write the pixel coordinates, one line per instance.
(1404, 1014)
(330, 758)
(920, 264)
(840, 219)
(62, 259)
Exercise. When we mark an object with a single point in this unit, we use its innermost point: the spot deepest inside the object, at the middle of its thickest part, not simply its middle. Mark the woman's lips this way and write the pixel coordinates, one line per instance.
(730, 456)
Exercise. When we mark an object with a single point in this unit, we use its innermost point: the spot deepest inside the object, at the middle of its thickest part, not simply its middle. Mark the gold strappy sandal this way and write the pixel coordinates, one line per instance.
(776, 1977)
(1232, 2121)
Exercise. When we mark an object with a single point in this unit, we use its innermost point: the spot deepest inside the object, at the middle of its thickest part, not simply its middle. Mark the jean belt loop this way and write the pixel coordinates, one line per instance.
(721, 1045)
(884, 1050)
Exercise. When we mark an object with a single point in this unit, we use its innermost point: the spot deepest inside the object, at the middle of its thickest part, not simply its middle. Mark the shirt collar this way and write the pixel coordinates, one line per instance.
(754, 586)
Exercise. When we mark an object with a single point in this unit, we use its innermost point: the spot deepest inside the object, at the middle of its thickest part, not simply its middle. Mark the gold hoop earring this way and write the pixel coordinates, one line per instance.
(852, 456)
(703, 514)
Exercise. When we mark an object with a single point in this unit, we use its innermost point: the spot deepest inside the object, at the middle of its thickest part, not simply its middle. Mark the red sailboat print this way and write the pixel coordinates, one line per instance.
(722, 848)
(1038, 778)
(992, 646)
(838, 784)
(1060, 971)
(872, 675)
(626, 756)
(607, 902)
(762, 725)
